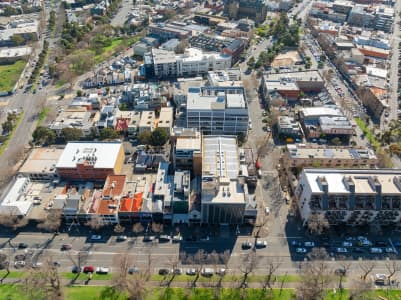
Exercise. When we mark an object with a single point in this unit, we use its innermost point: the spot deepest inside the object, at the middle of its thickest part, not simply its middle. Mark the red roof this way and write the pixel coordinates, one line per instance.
(131, 204)
(122, 124)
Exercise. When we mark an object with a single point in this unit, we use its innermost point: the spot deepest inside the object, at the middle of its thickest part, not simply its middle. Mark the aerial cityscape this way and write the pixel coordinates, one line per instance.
(208, 149)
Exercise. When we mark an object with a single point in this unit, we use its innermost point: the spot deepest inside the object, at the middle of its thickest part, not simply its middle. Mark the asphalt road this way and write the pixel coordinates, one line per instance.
(121, 17)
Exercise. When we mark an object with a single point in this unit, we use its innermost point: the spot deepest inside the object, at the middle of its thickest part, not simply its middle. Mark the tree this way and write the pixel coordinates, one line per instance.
(247, 265)
(393, 266)
(12, 220)
(366, 267)
(145, 137)
(272, 265)
(157, 228)
(137, 228)
(52, 221)
(79, 93)
(123, 262)
(17, 40)
(314, 281)
(251, 62)
(118, 228)
(182, 46)
(361, 290)
(95, 222)
(318, 223)
(43, 135)
(7, 126)
(336, 141)
(108, 134)
(71, 134)
(159, 137)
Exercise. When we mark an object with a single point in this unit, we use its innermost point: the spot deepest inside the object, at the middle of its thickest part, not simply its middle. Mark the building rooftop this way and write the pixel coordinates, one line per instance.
(15, 52)
(363, 180)
(300, 151)
(113, 186)
(323, 111)
(312, 75)
(220, 157)
(41, 160)
(188, 143)
(210, 99)
(100, 154)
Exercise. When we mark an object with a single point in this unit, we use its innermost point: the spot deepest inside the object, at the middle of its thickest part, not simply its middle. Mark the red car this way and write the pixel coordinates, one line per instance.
(89, 269)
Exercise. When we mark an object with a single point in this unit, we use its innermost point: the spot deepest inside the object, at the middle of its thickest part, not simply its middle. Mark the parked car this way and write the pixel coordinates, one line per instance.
(122, 238)
(296, 243)
(347, 244)
(76, 269)
(358, 250)
(96, 237)
(177, 238)
(309, 244)
(221, 271)
(389, 250)
(191, 271)
(148, 238)
(22, 245)
(19, 264)
(261, 244)
(88, 269)
(164, 238)
(133, 270)
(66, 247)
(246, 245)
(204, 238)
(37, 265)
(102, 270)
(207, 272)
(300, 250)
(375, 250)
(341, 250)
(177, 271)
(164, 271)
(381, 243)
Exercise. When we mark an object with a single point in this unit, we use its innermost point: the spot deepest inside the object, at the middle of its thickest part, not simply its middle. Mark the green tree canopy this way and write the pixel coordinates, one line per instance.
(71, 134)
(108, 134)
(159, 137)
(43, 135)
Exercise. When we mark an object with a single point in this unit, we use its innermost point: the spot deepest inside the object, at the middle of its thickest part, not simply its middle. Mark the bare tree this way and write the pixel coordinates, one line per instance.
(95, 222)
(393, 266)
(260, 228)
(318, 223)
(137, 228)
(118, 228)
(272, 265)
(318, 254)
(173, 262)
(52, 221)
(157, 228)
(80, 259)
(44, 283)
(246, 267)
(199, 258)
(361, 290)
(136, 287)
(366, 266)
(12, 220)
(123, 261)
(345, 265)
(315, 280)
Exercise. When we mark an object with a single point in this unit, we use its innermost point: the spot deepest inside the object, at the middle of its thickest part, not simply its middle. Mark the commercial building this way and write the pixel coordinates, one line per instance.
(223, 195)
(291, 84)
(298, 156)
(351, 197)
(143, 96)
(15, 201)
(229, 77)
(11, 55)
(26, 29)
(181, 197)
(361, 16)
(166, 118)
(166, 64)
(289, 127)
(41, 164)
(167, 31)
(90, 160)
(187, 154)
(78, 118)
(217, 110)
(384, 18)
(255, 10)
(147, 121)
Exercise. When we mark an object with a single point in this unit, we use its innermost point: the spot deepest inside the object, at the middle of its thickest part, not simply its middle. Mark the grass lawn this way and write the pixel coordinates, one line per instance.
(5, 143)
(13, 274)
(42, 115)
(9, 74)
(112, 48)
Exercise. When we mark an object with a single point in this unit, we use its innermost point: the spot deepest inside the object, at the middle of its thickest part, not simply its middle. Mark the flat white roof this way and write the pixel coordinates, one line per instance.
(100, 154)
(15, 202)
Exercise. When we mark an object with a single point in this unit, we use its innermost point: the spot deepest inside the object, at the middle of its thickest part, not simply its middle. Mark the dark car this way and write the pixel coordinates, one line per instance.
(164, 271)
(22, 245)
(246, 245)
(359, 250)
(66, 247)
(381, 243)
(76, 269)
(296, 243)
(190, 238)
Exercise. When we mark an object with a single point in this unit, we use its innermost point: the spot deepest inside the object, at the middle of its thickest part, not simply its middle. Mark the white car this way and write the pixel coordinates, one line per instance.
(177, 238)
(309, 244)
(389, 250)
(341, 250)
(37, 265)
(19, 264)
(221, 271)
(376, 250)
(261, 244)
(300, 250)
(102, 270)
(191, 271)
(96, 237)
(347, 244)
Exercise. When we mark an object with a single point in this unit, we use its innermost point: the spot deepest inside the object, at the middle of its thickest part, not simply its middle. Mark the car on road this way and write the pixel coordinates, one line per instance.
(164, 271)
(148, 238)
(261, 244)
(66, 247)
(246, 245)
(96, 237)
(19, 264)
(296, 243)
(22, 245)
(301, 250)
(347, 244)
(122, 238)
(309, 244)
(164, 238)
(88, 269)
(191, 271)
(102, 270)
(76, 269)
(177, 271)
(375, 250)
(341, 250)
(133, 270)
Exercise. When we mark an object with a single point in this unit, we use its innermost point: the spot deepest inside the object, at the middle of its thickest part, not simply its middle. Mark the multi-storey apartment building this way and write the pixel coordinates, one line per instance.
(217, 110)
(352, 197)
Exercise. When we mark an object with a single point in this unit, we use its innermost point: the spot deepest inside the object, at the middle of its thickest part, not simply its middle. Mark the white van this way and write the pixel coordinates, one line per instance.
(207, 272)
